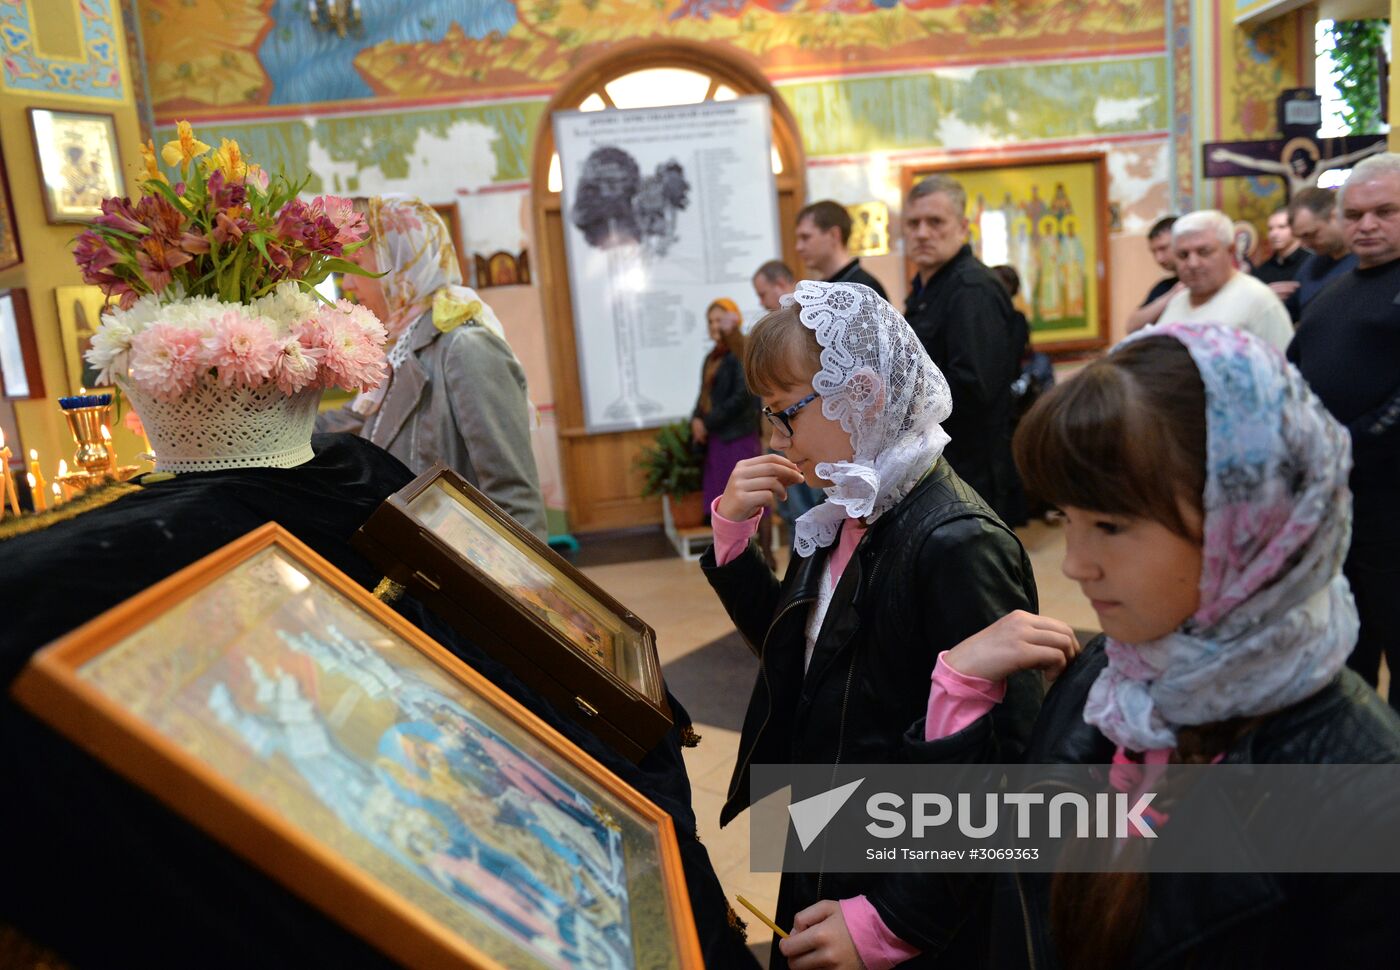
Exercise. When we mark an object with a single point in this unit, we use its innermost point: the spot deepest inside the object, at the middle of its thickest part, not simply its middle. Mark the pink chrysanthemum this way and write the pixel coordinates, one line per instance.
(243, 351)
(166, 360)
(352, 347)
(296, 366)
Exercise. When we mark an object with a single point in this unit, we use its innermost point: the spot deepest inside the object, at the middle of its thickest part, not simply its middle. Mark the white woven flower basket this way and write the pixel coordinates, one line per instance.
(213, 427)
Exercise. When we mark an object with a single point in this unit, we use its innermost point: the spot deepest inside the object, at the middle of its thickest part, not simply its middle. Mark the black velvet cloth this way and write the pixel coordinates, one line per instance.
(106, 874)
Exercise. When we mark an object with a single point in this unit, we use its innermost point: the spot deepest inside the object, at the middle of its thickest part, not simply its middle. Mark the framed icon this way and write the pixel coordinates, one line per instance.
(465, 557)
(10, 254)
(1046, 216)
(282, 708)
(21, 376)
(79, 162)
(79, 313)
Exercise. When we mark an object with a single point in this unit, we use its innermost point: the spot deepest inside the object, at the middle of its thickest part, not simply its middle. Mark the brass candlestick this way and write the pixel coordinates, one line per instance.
(86, 424)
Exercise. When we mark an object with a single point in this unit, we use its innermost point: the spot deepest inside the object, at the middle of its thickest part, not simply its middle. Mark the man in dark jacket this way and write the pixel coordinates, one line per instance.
(1348, 348)
(966, 323)
(823, 235)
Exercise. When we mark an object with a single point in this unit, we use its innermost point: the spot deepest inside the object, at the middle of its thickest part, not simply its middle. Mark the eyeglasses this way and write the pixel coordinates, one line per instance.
(782, 420)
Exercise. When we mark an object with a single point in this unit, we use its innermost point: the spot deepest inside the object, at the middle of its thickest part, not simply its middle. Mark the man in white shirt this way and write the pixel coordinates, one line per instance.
(1216, 291)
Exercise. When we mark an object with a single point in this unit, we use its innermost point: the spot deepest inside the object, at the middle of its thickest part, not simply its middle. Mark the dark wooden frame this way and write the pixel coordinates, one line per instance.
(50, 214)
(12, 255)
(909, 174)
(28, 348)
(51, 687)
(408, 552)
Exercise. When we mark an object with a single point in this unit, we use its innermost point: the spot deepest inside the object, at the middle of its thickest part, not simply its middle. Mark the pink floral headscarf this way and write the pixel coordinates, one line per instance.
(1276, 618)
(414, 249)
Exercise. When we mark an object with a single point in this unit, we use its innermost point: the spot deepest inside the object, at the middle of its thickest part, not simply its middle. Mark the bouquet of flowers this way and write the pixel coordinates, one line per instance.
(218, 325)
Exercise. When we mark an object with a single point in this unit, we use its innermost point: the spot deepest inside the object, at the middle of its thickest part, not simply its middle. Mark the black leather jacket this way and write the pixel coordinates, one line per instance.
(929, 573)
(733, 409)
(1204, 920)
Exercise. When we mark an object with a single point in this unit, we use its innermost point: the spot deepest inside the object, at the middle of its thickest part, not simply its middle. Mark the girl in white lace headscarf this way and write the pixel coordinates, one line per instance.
(877, 380)
(899, 563)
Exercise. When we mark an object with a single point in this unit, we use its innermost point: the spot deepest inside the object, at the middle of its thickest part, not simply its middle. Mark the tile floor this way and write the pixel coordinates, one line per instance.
(711, 672)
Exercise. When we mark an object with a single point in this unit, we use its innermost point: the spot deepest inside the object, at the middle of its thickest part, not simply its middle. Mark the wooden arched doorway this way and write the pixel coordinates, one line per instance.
(601, 482)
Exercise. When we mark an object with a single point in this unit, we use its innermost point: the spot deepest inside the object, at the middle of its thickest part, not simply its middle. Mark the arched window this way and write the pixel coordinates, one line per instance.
(654, 87)
(603, 488)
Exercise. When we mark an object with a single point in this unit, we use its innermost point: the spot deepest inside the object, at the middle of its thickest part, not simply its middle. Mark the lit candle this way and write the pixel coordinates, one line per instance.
(37, 477)
(36, 492)
(57, 495)
(111, 452)
(7, 482)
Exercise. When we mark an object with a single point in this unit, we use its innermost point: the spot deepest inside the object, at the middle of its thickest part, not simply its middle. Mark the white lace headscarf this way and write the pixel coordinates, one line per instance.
(879, 383)
(1276, 619)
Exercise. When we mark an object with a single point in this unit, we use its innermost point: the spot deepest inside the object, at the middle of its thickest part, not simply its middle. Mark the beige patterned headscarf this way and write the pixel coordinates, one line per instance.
(414, 251)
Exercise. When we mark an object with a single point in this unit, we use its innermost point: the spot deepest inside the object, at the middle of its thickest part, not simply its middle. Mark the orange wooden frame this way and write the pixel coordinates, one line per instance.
(51, 688)
(910, 174)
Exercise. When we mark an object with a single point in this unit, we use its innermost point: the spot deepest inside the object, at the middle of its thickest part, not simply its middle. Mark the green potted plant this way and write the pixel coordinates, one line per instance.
(673, 468)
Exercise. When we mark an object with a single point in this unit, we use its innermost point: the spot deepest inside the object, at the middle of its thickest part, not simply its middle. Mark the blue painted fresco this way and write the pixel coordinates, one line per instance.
(309, 65)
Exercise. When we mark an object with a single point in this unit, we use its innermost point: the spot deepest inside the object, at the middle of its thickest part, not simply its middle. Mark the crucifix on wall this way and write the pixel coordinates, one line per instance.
(1299, 157)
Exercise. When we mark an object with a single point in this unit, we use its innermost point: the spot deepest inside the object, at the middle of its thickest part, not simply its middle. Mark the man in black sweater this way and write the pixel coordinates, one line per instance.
(1312, 214)
(1280, 270)
(965, 321)
(1159, 242)
(823, 234)
(1348, 348)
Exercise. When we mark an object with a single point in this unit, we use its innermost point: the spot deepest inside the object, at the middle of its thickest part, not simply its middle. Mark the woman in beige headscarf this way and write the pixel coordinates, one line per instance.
(456, 392)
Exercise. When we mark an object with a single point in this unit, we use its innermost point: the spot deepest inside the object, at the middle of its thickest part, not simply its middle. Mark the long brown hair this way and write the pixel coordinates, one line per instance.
(1125, 436)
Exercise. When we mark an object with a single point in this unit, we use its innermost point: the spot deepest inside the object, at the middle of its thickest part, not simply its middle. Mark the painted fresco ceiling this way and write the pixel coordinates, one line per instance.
(238, 56)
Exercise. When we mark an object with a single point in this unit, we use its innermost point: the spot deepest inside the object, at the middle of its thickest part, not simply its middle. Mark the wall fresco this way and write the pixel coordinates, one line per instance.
(26, 68)
(266, 53)
(985, 106)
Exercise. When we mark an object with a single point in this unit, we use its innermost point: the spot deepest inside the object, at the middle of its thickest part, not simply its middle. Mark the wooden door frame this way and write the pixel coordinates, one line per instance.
(581, 452)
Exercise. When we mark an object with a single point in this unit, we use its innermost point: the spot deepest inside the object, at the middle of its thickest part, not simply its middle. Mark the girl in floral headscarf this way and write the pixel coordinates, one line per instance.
(1207, 516)
(456, 392)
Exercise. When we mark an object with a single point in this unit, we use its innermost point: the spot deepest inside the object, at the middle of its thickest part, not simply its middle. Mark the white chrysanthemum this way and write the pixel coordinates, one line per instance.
(194, 312)
(138, 316)
(286, 306)
(109, 347)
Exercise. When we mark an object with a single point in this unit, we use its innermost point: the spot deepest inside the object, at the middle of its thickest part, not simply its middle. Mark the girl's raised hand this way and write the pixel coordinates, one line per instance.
(757, 483)
(1018, 641)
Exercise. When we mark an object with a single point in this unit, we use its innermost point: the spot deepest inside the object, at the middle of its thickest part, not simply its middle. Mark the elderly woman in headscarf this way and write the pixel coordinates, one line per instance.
(456, 392)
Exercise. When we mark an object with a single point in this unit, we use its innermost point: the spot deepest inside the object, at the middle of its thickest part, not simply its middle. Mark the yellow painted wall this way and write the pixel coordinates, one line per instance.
(48, 261)
(1393, 120)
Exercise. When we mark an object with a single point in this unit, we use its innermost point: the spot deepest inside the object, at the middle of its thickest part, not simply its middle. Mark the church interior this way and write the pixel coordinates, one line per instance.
(377, 375)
